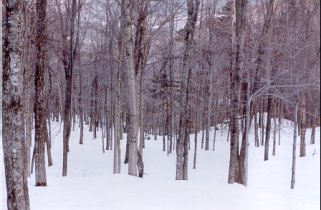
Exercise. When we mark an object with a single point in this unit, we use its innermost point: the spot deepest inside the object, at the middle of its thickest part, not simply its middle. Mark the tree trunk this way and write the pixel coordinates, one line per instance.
(28, 131)
(171, 75)
(243, 161)
(294, 146)
(164, 126)
(127, 140)
(80, 108)
(280, 121)
(183, 140)
(262, 124)
(302, 125)
(117, 124)
(48, 143)
(238, 28)
(312, 141)
(140, 55)
(41, 136)
(209, 100)
(26, 91)
(268, 128)
(141, 117)
(215, 121)
(256, 130)
(107, 111)
(68, 78)
(203, 124)
(274, 128)
(304, 98)
(196, 127)
(12, 109)
(242, 166)
(132, 102)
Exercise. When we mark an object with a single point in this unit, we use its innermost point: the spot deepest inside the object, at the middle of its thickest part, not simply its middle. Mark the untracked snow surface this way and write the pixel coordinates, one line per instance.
(91, 185)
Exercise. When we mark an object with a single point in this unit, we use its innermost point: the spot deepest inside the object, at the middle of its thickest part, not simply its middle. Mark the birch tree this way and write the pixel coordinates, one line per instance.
(238, 28)
(182, 146)
(132, 99)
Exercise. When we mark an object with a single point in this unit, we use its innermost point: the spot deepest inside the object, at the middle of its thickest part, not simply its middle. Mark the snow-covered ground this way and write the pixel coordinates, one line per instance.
(90, 184)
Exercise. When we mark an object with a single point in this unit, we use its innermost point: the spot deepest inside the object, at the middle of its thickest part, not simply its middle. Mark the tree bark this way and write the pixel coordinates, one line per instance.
(196, 127)
(256, 130)
(183, 140)
(12, 108)
(294, 146)
(303, 117)
(274, 127)
(80, 107)
(243, 165)
(68, 77)
(238, 28)
(171, 75)
(41, 136)
(132, 99)
(26, 89)
(312, 141)
(117, 124)
(268, 128)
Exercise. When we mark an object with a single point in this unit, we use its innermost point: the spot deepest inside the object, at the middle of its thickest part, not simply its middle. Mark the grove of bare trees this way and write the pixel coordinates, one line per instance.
(146, 68)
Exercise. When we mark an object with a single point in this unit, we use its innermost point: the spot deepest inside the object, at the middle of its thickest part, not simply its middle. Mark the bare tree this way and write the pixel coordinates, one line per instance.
(238, 28)
(12, 107)
(295, 114)
(183, 140)
(40, 121)
(132, 100)
(68, 60)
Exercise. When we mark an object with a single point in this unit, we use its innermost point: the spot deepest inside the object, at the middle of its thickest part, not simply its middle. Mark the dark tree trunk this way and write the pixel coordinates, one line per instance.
(41, 136)
(196, 127)
(268, 127)
(256, 130)
(68, 77)
(312, 141)
(243, 158)
(80, 109)
(261, 122)
(274, 128)
(302, 124)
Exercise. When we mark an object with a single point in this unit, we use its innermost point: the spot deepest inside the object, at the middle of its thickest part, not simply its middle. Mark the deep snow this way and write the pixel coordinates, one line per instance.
(90, 184)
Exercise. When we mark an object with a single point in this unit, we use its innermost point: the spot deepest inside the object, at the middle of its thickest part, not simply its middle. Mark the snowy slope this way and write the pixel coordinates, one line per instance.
(90, 184)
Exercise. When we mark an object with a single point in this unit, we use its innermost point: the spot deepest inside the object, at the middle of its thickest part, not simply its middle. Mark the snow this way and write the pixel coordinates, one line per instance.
(90, 183)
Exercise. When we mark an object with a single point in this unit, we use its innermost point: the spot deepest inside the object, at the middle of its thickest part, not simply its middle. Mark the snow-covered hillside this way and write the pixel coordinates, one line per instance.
(90, 184)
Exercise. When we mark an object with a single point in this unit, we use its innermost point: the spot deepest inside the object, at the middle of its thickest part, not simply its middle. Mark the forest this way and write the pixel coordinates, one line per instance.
(128, 73)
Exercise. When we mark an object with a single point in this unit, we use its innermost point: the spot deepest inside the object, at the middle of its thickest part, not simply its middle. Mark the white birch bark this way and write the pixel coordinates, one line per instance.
(129, 63)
